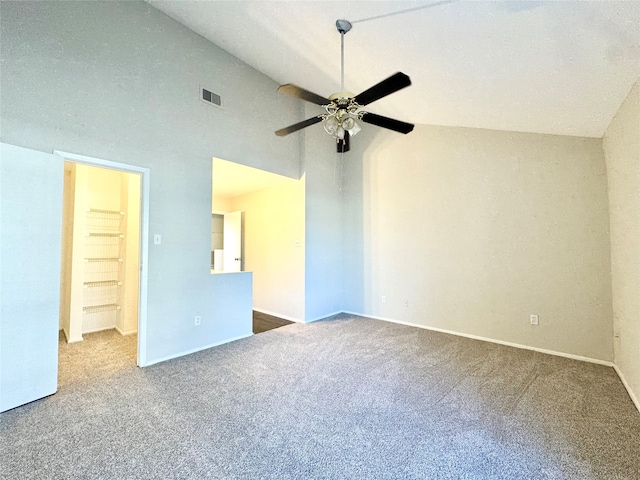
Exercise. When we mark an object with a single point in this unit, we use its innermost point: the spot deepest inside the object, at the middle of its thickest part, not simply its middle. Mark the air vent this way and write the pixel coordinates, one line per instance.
(207, 96)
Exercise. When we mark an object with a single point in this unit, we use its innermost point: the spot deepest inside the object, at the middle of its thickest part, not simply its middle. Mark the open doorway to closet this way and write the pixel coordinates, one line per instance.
(100, 268)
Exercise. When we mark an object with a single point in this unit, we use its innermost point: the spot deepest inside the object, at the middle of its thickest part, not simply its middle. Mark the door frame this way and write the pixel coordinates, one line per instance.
(145, 174)
(236, 254)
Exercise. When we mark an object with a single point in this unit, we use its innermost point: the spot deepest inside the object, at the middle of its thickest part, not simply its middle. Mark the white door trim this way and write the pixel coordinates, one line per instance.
(145, 174)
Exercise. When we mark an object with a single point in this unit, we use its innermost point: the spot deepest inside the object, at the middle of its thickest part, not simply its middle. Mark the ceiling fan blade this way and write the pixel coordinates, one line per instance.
(386, 87)
(345, 144)
(297, 92)
(297, 126)
(386, 122)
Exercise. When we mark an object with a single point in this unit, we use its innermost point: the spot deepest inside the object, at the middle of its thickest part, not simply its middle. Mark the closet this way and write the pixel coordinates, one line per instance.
(100, 248)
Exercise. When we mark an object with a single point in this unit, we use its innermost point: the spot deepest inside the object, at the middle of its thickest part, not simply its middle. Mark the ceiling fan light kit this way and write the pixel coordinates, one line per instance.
(343, 108)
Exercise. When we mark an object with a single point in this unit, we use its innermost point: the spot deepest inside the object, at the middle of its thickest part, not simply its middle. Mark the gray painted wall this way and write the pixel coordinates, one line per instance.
(622, 153)
(478, 229)
(323, 219)
(120, 81)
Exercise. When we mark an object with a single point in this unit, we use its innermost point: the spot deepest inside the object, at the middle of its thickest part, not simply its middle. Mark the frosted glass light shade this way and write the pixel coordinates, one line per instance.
(348, 123)
(353, 131)
(331, 125)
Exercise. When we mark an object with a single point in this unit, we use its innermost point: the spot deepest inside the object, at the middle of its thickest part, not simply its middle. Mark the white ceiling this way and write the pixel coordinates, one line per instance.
(560, 67)
(232, 179)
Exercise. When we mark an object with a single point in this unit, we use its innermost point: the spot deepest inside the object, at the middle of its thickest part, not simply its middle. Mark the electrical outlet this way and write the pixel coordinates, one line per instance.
(533, 319)
(198, 320)
(384, 299)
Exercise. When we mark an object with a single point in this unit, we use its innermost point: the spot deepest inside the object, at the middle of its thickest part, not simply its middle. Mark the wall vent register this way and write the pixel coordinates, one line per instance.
(207, 96)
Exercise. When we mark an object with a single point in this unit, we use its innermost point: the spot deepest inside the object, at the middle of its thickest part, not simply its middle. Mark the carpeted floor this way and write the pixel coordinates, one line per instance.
(344, 398)
(100, 356)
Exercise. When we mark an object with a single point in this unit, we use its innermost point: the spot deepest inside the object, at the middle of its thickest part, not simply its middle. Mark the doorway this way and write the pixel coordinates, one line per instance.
(103, 284)
(270, 215)
(99, 279)
(227, 242)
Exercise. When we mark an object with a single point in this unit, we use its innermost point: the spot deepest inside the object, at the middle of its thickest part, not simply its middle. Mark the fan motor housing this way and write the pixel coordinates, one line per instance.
(342, 97)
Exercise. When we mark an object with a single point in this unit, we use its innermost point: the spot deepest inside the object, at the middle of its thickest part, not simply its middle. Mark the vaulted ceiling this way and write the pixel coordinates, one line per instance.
(559, 67)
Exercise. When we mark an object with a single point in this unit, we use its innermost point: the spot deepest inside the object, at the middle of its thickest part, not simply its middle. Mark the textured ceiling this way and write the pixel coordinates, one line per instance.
(561, 67)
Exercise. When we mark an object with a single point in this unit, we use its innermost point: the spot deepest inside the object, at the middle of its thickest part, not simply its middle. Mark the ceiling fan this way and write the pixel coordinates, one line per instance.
(343, 108)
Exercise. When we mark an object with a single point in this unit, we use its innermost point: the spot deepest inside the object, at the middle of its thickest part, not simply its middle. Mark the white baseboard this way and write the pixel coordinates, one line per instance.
(330, 315)
(633, 396)
(298, 320)
(194, 350)
(279, 315)
(75, 340)
(130, 332)
(94, 330)
(71, 340)
(491, 340)
(634, 399)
